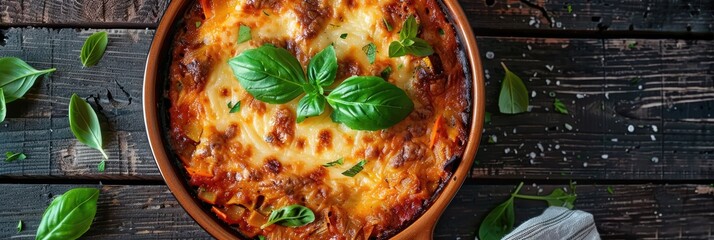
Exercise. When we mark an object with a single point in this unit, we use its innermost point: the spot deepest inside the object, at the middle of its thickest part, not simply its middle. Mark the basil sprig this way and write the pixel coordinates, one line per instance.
(513, 98)
(69, 215)
(499, 221)
(290, 216)
(408, 42)
(93, 49)
(274, 76)
(16, 77)
(85, 126)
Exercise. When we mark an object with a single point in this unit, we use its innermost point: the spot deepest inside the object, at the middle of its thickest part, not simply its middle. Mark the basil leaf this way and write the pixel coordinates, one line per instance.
(369, 103)
(498, 222)
(354, 170)
(322, 68)
(3, 109)
(397, 49)
(560, 106)
(290, 216)
(93, 49)
(371, 51)
(560, 198)
(334, 163)
(16, 77)
(309, 106)
(343, 36)
(84, 124)
(420, 48)
(244, 34)
(270, 74)
(386, 72)
(19, 226)
(11, 156)
(513, 98)
(234, 108)
(69, 215)
(410, 28)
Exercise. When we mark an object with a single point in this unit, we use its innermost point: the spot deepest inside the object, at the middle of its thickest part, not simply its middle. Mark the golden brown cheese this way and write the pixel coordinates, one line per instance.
(248, 163)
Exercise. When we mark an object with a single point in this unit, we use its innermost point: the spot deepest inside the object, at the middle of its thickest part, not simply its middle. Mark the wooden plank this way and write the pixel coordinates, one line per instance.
(624, 84)
(150, 212)
(490, 15)
(652, 15)
(123, 212)
(630, 212)
(37, 125)
(81, 12)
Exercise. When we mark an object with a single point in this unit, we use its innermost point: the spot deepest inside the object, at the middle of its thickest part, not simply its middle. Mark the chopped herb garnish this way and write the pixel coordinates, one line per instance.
(371, 51)
(19, 226)
(570, 8)
(266, 14)
(234, 108)
(632, 45)
(355, 169)
(11, 156)
(400, 66)
(560, 106)
(343, 36)
(610, 191)
(243, 34)
(409, 43)
(386, 72)
(386, 24)
(198, 24)
(334, 163)
(102, 165)
(260, 237)
(441, 32)
(487, 118)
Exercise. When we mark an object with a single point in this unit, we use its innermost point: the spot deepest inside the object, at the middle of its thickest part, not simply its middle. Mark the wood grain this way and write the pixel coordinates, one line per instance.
(630, 212)
(609, 87)
(37, 125)
(598, 80)
(123, 212)
(692, 16)
(151, 212)
(81, 12)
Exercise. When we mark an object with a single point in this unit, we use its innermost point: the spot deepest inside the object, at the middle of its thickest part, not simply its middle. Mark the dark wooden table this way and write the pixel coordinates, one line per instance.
(646, 64)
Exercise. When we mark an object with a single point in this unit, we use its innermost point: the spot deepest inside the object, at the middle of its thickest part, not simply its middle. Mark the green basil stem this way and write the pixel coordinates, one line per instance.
(515, 193)
(504, 66)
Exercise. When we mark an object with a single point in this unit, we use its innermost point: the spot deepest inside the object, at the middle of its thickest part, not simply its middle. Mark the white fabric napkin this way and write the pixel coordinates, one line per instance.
(557, 223)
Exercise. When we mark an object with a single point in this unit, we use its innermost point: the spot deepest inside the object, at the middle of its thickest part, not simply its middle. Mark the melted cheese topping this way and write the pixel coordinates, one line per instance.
(260, 159)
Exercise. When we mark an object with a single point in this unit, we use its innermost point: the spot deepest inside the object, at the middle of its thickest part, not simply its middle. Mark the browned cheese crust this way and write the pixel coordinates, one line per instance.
(246, 164)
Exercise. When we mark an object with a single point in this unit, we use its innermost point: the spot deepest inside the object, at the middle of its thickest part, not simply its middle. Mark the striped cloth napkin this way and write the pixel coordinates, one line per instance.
(557, 223)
